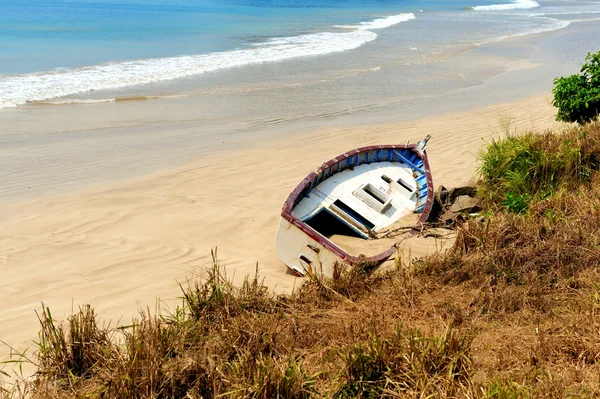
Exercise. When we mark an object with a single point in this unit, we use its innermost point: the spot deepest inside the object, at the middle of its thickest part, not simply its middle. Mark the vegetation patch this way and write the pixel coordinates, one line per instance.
(512, 310)
(408, 364)
(519, 170)
(577, 97)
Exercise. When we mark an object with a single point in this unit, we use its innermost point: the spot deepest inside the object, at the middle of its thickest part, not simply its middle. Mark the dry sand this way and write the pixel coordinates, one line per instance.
(121, 247)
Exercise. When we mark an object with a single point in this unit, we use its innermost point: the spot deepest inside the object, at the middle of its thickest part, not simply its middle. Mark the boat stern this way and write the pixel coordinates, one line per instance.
(302, 254)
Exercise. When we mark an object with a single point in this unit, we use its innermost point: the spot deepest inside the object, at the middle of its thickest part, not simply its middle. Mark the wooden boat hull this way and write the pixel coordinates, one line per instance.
(304, 250)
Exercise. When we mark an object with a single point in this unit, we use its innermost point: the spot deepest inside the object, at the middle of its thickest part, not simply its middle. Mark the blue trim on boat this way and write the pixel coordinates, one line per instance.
(409, 162)
(407, 156)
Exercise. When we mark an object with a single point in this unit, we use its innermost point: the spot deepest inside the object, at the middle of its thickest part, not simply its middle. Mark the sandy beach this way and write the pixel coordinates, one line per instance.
(115, 204)
(122, 246)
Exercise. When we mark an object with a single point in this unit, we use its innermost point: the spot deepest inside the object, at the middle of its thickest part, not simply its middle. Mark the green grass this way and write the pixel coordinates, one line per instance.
(518, 170)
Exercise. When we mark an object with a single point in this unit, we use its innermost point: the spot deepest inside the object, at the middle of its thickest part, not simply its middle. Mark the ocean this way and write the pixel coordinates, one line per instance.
(88, 51)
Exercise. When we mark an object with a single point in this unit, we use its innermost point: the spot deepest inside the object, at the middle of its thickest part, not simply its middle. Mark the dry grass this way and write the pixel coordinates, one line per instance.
(511, 311)
(244, 342)
(554, 242)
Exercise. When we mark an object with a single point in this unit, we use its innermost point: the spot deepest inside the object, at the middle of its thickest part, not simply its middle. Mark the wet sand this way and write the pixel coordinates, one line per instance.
(48, 150)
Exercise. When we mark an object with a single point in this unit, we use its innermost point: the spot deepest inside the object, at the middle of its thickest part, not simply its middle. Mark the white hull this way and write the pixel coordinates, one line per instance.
(302, 254)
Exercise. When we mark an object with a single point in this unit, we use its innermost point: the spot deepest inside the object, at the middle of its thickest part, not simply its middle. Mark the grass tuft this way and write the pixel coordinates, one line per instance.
(517, 170)
(407, 364)
(69, 352)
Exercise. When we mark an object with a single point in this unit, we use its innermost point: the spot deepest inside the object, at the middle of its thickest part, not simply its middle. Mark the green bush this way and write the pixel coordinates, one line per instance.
(577, 97)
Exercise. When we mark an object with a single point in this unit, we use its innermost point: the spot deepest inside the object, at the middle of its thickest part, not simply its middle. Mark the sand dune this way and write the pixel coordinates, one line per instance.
(121, 247)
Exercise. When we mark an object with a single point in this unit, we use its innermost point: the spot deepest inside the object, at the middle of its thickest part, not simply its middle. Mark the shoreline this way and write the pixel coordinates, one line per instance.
(123, 246)
(59, 149)
(339, 32)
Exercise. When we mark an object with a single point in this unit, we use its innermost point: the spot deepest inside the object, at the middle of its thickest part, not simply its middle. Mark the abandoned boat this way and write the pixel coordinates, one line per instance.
(362, 193)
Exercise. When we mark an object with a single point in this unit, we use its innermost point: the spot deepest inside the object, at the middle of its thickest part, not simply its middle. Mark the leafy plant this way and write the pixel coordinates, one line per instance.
(577, 97)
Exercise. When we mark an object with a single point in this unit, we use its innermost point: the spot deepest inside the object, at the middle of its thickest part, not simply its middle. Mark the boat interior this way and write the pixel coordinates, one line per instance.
(361, 198)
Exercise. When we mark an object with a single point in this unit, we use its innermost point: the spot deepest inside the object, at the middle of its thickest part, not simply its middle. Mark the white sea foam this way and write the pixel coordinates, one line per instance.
(513, 5)
(20, 89)
(380, 23)
(557, 24)
(67, 100)
(75, 101)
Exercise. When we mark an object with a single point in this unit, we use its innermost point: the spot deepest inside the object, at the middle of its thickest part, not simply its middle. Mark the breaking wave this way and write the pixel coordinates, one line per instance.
(380, 23)
(20, 89)
(513, 5)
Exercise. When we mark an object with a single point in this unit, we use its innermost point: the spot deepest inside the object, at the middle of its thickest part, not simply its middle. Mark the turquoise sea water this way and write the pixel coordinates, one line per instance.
(53, 50)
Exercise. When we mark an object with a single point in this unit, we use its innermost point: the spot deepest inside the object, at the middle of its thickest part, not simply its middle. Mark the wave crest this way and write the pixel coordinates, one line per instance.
(20, 89)
(514, 5)
(380, 23)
